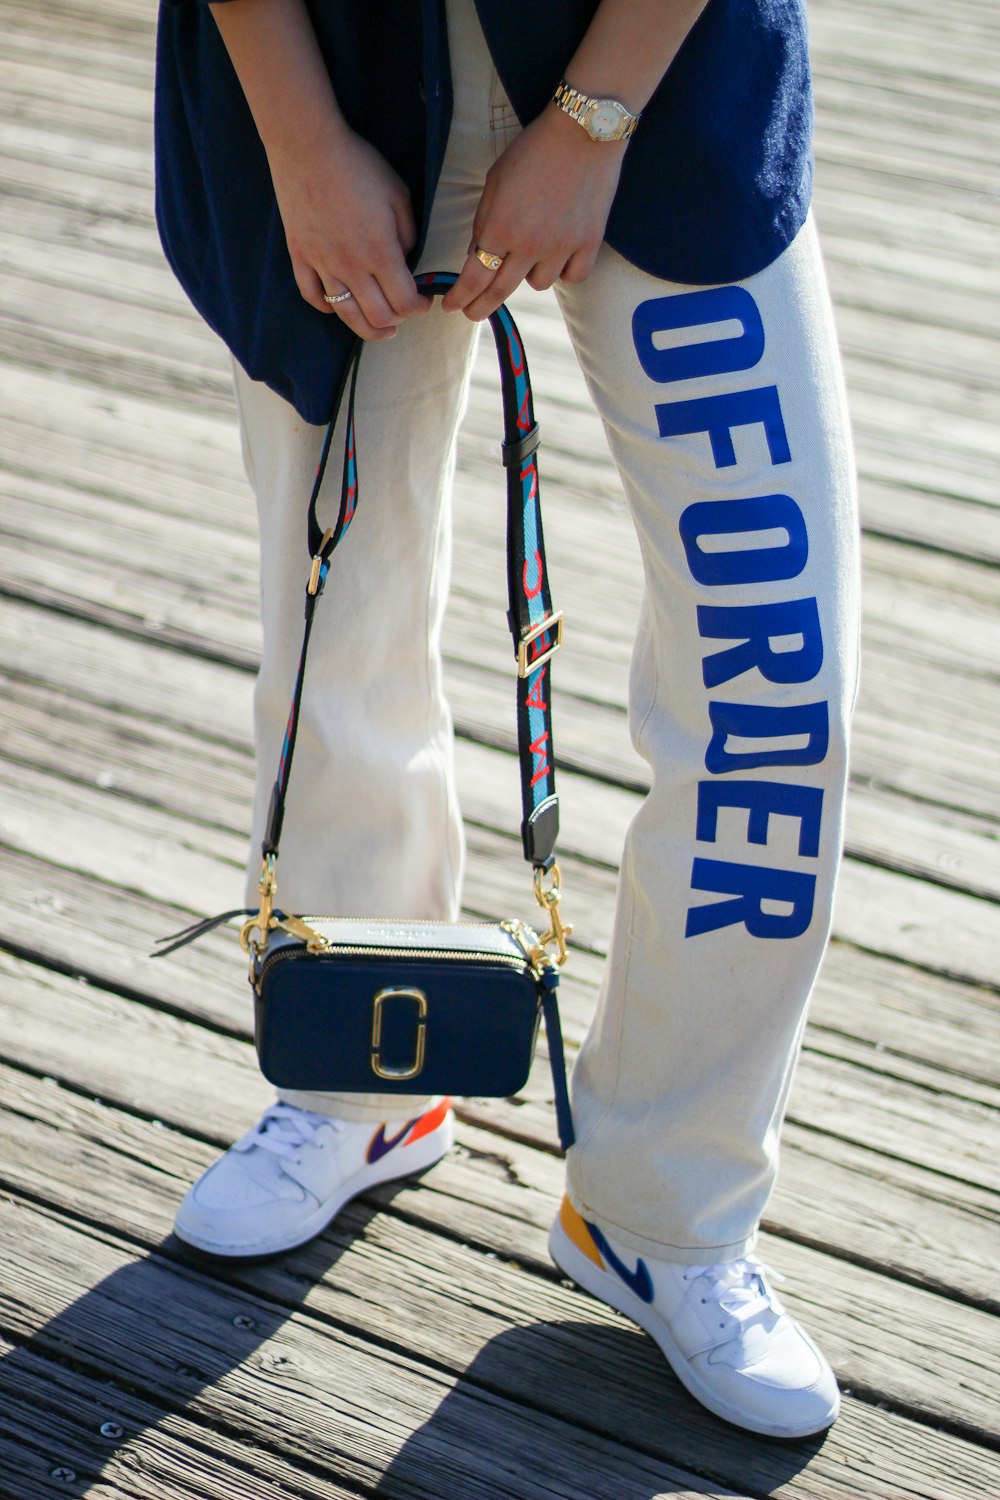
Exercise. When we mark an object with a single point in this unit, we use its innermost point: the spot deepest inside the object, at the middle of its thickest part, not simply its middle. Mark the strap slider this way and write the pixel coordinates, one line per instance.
(525, 664)
(513, 454)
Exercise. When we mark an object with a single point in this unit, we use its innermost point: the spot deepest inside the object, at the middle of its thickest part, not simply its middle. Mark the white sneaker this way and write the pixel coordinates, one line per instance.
(294, 1171)
(723, 1330)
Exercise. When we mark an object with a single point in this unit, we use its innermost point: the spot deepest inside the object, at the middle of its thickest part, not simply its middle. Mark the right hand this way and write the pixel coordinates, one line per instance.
(349, 222)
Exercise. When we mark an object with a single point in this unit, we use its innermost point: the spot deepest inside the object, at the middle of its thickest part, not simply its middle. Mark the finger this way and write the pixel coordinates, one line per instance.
(406, 224)
(545, 273)
(315, 292)
(389, 267)
(335, 293)
(502, 285)
(579, 265)
(473, 282)
(349, 312)
(371, 301)
(311, 287)
(400, 291)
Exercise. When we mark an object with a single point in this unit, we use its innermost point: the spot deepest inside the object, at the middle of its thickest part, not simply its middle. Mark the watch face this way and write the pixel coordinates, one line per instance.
(605, 120)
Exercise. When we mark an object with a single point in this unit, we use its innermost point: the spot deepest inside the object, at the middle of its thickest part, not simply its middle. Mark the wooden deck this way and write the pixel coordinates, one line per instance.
(425, 1347)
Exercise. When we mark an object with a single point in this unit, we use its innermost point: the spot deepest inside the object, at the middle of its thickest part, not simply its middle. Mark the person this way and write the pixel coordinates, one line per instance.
(650, 160)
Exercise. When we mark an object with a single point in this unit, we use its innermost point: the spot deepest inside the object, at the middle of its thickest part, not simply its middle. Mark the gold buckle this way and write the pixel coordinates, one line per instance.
(526, 667)
(399, 993)
(559, 931)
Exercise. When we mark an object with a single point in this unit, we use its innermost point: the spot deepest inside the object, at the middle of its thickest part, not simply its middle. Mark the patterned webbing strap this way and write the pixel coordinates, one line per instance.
(535, 629)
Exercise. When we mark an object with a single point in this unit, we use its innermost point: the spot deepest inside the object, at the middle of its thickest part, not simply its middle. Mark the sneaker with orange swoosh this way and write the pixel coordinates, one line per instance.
(288, 1177)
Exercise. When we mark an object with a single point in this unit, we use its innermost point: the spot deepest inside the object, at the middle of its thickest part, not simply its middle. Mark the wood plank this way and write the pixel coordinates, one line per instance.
(857, 224)
(918, 1014)
(949, 848)
(108, 779)
(492, 1193)
(145, 849)
(51, 1445)
(49, 87)
(926, 360)
(909, 367)
(892, 114)
(947, 522)
(324, 1397)
(214, 766)
(943, 755)
(391, 1275)
(93, 450)
(212, 783)
(849, 1198)
(151, 852)
(912, 251)
(80, 339)
(896, 1008)
(924, 50)
(128, 21)
(934, 360)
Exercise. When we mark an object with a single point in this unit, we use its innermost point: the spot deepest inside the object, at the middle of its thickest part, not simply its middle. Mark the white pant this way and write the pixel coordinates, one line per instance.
(725, 412)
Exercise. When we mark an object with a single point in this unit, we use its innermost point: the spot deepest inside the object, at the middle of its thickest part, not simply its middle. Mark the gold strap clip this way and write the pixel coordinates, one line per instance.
(265, 919)
(559, 931)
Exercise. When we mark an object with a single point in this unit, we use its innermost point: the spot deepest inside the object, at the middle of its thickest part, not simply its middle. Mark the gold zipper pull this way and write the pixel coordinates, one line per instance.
(315, 941)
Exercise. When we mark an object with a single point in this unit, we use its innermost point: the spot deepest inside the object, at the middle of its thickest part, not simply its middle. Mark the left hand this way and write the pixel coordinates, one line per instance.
(544, 209)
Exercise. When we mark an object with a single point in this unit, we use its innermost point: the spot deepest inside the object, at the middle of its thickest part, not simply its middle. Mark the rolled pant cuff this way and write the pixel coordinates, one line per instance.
(665, 1249)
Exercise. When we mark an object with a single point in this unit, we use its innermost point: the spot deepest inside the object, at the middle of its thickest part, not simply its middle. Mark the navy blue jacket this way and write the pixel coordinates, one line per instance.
(716, 181)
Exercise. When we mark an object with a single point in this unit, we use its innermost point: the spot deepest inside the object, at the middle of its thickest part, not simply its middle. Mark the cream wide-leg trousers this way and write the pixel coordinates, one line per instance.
(725, 412)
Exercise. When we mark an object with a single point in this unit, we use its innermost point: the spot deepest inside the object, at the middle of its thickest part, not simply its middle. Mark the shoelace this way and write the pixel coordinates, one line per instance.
(284, 1129)
(738, 1287)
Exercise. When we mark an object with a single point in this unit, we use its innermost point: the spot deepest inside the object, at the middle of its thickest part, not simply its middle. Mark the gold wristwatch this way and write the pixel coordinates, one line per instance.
(602, 119)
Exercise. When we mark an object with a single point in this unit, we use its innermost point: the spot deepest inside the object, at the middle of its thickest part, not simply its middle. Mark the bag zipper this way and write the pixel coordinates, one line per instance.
(500, 960)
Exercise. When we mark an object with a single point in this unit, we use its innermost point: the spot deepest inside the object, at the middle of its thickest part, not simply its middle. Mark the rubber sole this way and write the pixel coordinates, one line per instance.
(411, 1162)
(609, 1289)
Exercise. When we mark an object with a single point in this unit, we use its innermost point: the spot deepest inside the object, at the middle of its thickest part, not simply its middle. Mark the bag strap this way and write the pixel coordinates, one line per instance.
(536, 629)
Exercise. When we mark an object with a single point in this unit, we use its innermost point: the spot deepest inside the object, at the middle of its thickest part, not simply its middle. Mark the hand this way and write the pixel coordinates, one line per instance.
(349, 223)
(544, 209)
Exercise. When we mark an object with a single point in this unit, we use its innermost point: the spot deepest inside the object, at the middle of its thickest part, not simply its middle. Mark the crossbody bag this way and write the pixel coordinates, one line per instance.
(381, 1005)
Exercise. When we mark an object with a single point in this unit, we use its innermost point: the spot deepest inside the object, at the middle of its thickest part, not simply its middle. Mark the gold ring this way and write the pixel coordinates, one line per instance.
(487, 259)
(340, 297)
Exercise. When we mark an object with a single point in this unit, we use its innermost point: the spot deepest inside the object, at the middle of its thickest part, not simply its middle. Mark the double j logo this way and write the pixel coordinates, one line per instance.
(742, 548)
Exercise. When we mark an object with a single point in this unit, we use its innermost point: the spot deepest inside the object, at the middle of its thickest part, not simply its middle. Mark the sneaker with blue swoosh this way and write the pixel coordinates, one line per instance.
(722, 1328)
